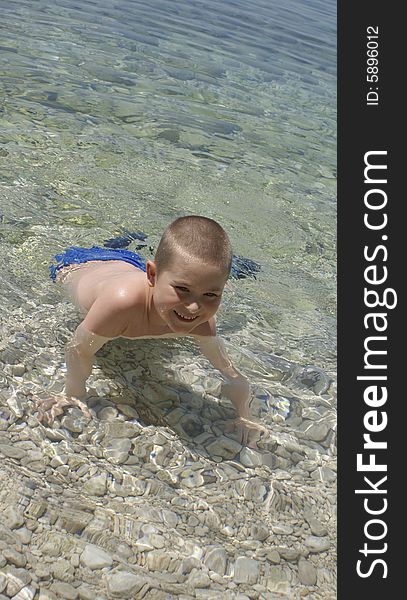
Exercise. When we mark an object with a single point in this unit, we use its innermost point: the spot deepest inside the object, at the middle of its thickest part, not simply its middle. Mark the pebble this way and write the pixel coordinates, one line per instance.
(277, 580)
(224, 447)
(17, 578)
(282, 529)
(27, 593)
(96, 486)
(246, 570)
(46, 594)
(317, 544)
(317, 528)
(64, 590)
(307, 573)
(94, 557)
(124, 584)
(216, 560)
(63, 570)
(117, 450)
(24, 535)
(259, 531)
(158, 560)
(315, 431)
(324, 474)
(14, 558)
(12, 451)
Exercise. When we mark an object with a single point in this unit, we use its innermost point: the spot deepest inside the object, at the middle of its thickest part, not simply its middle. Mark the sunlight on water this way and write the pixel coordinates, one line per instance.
(127, 116)
(118, 117)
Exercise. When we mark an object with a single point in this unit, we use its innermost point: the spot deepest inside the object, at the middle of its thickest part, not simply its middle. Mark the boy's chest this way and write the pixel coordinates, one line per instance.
(137, 329)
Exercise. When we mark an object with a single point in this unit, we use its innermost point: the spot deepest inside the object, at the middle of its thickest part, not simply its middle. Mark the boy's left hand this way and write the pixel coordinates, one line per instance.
(248, 432)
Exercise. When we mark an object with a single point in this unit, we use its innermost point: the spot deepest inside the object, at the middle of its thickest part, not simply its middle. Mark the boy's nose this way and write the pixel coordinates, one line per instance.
(192, 307)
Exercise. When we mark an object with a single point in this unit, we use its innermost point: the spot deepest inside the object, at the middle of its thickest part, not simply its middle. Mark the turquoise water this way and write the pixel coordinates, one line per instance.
(128, 114)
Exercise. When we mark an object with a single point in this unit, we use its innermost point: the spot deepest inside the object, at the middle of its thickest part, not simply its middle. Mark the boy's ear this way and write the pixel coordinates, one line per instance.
(151, 273)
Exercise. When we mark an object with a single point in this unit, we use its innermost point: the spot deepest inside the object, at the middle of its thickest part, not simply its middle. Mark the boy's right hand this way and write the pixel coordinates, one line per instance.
(51, 407)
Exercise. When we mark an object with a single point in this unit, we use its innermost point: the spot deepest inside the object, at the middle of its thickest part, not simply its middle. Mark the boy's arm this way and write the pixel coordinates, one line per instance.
(103, 322)
(237, 388)
(106, 319)
(79, 353)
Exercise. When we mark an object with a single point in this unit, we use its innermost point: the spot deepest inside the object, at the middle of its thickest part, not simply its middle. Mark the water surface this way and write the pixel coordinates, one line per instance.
(127, 114)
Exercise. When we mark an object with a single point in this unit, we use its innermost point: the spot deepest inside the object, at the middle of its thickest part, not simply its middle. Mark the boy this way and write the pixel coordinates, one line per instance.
(175, 295)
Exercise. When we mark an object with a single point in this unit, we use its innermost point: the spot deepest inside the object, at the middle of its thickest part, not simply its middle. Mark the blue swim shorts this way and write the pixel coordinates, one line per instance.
(76, 255)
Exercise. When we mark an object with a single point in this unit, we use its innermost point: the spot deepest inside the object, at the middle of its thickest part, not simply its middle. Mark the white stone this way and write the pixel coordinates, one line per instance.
(317, 544)
(246, 570)
(96, 486)
(27, 593)
(124, 584)
(94, 557)
(307, 573)
(216, 560)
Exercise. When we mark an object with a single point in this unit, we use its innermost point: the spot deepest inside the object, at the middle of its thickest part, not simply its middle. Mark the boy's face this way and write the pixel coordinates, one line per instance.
(186, 294)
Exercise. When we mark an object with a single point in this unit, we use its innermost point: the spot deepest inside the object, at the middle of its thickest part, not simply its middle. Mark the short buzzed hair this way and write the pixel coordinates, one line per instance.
(195, 237)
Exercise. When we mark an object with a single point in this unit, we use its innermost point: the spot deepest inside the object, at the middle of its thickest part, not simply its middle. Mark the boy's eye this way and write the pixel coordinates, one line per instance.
(182, 289)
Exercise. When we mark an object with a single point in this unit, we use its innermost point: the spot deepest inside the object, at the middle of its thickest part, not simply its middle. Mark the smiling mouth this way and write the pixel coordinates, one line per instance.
(184, 318)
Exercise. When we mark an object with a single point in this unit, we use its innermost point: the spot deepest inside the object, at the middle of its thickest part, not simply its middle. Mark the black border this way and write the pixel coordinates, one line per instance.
(363, 128)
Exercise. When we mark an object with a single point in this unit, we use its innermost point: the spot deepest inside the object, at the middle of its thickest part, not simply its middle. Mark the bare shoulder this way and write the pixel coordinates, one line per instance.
(115, 306)
(206, 329)
(123, 290)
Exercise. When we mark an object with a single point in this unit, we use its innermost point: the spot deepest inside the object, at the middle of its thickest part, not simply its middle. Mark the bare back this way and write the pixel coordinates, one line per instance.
(88, 281)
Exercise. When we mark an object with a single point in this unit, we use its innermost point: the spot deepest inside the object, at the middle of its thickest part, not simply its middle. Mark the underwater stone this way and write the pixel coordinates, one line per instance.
(108, 413)
(27, 593)
(259, 531)
(315, 431)
(94, 557)
(312, 377)
(12, 452)
(158, 560)
(96, 486)
(307, 573)
(18, 370)
(13, 517)
(124, 584)
(24, 535)
(17, 579)
(216, 560)
(63, 570)
(117, 450)
(64, 590)
(224, 447)
(246, 570)
(192, 425)
(324, 474)
(317, 544)
(171, 135)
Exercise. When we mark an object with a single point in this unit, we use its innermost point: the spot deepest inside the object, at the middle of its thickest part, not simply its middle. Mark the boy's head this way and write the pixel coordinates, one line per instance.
(191, 267)
(194, 238)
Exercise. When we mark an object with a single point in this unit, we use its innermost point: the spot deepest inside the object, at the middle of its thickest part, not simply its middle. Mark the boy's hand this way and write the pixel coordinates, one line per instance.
(248, 432)
(51, 407)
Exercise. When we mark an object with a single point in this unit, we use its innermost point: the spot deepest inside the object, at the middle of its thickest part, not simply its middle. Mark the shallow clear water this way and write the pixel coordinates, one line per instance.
(128, 114)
